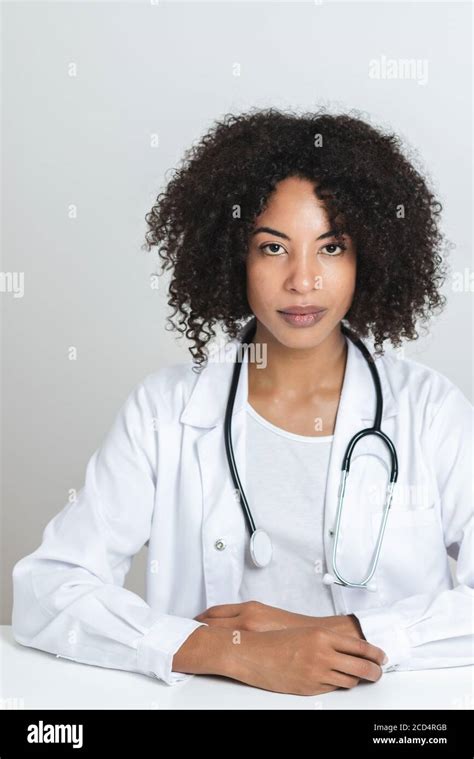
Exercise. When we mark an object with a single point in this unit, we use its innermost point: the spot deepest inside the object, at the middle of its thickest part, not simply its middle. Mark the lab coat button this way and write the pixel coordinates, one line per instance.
(331, 533)
(219, 544)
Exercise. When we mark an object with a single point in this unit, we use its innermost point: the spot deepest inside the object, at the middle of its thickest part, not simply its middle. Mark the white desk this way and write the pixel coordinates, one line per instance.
(33, 679)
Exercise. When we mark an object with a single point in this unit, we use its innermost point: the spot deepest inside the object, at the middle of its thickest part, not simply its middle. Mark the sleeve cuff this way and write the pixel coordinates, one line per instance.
(156, 649)
(382, 628)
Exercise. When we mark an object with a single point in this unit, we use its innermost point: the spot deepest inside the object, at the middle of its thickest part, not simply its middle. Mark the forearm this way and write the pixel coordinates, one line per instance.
(227, 652)
(210, 651)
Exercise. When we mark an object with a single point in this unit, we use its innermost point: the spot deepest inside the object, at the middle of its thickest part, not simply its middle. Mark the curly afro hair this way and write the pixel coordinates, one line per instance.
(202, 223)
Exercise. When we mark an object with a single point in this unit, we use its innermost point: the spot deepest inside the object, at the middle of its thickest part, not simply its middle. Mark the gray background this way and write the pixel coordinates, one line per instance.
(167, 69)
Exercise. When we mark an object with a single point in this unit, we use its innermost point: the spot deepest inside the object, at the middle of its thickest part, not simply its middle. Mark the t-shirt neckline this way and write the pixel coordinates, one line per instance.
(286, 433)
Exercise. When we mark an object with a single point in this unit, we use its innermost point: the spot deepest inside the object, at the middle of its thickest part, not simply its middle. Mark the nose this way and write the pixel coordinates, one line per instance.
(303, 273)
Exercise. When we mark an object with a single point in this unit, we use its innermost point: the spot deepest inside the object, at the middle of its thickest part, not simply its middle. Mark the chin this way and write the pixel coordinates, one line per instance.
(298, 337)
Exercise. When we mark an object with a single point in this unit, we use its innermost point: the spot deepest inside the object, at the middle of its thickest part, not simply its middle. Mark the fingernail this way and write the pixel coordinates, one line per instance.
(385, 659)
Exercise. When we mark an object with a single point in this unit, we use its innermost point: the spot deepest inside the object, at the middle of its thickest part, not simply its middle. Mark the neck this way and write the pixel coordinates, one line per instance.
(298, 373)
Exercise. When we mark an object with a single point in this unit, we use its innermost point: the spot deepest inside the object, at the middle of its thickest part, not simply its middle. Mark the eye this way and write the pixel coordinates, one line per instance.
(272, 245)
(331, 248)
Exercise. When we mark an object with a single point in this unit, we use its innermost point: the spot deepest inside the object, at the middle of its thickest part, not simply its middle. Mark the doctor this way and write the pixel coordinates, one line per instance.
(161, 478)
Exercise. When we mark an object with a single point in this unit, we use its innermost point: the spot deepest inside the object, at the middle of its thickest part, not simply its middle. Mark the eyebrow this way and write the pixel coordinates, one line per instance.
(270, 231)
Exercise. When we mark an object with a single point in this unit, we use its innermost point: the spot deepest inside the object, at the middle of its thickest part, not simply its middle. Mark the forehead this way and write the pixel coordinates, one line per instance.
(293, 199)
(293, 207)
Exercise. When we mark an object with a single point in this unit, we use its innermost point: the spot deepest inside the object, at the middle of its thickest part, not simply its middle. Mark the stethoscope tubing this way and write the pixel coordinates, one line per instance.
(247, 336)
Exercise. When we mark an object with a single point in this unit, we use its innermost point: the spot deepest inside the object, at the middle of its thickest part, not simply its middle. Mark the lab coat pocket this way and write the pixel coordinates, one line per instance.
(413, 555)
(406, 517)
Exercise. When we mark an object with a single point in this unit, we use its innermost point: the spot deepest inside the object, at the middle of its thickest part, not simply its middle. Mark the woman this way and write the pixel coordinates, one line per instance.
(304, 226)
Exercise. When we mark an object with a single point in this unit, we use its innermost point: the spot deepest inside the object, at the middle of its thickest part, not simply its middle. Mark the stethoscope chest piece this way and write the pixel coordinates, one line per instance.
(261, 548)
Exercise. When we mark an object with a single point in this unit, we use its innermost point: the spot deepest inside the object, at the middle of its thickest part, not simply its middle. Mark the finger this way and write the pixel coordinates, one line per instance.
(357, 667)
(346, 644)
(223, 610)
(343, 680)
(220, 622)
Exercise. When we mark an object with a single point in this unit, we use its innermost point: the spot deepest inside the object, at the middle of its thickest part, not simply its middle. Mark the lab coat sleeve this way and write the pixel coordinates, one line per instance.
(426, 631)
(68, 595)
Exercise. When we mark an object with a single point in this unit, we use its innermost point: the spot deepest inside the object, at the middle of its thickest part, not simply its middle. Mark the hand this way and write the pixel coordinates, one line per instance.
(303, 661)
(258, 617)
(347, 624)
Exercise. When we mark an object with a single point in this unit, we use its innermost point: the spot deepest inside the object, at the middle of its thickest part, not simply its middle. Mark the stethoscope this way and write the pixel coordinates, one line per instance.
(260, 543)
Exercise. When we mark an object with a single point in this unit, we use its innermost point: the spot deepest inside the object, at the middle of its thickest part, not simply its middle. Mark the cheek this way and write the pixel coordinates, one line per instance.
(338, 278)
(259, 280)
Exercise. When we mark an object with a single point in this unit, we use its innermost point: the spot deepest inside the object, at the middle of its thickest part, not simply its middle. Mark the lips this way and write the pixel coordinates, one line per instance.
(302, 316)
(301, 310)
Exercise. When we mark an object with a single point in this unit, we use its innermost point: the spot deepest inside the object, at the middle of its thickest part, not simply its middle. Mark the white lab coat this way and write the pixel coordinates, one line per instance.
(161, 478)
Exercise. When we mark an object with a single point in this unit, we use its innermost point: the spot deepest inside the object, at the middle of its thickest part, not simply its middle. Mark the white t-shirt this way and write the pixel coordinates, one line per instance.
(286, 481)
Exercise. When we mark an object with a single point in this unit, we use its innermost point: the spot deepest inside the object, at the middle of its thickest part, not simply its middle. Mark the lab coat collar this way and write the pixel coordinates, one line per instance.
(207, 403)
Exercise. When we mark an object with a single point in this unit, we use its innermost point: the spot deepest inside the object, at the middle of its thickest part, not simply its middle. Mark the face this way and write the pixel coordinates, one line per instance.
(297, 261)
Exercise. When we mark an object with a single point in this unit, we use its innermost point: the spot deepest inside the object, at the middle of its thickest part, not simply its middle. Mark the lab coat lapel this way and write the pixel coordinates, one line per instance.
(224, 531)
